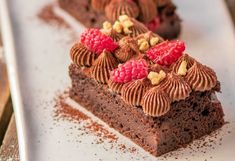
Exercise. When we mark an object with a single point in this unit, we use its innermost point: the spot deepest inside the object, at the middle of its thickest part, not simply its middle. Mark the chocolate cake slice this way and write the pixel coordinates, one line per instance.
(146, 88)
(158, 15)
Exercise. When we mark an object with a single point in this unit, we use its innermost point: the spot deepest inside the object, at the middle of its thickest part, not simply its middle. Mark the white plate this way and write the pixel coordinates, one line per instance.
(38, 70)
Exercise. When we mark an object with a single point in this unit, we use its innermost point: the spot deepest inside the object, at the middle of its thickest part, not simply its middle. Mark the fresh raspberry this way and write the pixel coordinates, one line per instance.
(154, 24)
(166, 52)
(96, 41)
(131, 70)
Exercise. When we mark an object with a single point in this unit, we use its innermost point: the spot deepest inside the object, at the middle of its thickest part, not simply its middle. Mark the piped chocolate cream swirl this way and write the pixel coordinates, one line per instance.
(124, 54)
(148, 10)
(115, 35)
(184, 58)
(115, 87)
(155, 102)
(175, 87)
(132, 92)
(81, 56)
(200, 77)
(128, 48)
(121, 7)
(99, 5)
(137, 29)
(102, 67)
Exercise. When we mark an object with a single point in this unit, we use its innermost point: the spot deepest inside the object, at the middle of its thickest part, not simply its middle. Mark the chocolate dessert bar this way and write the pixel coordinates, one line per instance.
(158, 15)
(146, 88)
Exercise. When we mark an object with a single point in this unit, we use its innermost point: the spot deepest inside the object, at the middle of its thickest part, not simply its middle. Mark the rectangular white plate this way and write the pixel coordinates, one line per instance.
(39, 69)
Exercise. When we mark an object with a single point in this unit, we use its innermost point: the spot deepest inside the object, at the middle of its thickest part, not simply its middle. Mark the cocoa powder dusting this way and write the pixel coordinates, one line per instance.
(132, 149)
(100, 131)
(47, 15)
(65, 112)
(122, 147)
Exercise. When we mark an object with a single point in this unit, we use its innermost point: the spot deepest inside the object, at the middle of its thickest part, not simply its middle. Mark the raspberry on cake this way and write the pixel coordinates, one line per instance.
(166, 52)
(131, 70)
(146, 88)
(96, 41)
(158, 15)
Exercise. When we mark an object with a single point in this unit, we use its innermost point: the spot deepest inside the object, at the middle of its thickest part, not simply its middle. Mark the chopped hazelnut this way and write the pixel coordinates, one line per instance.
(156, 78)
(127, 30)
(162, 73)
(107, 25)
(144, 46)
(182, 68)
(127, 24)
(140, 41)
(154, 41)
(123, 18)
(118, 27)
(152, 75)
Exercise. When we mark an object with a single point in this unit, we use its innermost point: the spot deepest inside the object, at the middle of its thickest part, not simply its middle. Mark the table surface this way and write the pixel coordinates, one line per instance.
(8, 138)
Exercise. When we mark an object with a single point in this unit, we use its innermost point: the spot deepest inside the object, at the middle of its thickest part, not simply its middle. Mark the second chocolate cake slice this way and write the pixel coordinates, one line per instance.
(158, 15)
(146, 88)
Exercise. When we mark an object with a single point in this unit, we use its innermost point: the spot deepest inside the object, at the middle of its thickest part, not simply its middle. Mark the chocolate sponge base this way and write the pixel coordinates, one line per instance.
(189, 119)
(83, 12)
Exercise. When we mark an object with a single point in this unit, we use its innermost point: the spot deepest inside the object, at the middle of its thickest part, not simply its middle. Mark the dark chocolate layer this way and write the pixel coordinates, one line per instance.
(189, 119)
